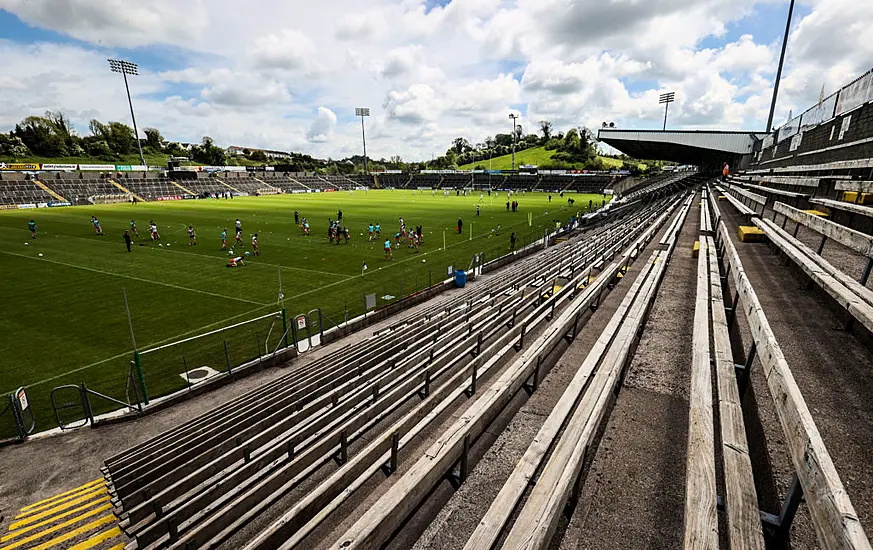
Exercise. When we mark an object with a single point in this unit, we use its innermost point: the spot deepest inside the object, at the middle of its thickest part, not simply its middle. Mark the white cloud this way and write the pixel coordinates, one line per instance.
(428, 75)
(289, 50)
(415, 105)
(236, 91)
(323, 126)
(114, 23)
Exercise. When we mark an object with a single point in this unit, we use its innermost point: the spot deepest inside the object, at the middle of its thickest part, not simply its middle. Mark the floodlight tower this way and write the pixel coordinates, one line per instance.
(362, 112)
(666, 100)
(128, 68)
(779, 70)
(514, 117)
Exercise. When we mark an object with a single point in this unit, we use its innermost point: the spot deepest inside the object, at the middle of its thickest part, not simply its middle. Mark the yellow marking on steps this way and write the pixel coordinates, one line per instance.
(265, 183)
(22, 527)
(97, 539)
(299, 183)
(818, 213)
(184, 189)
(46, 188)
(69, 534)
(126, 190)
(64, 494)
(118, 547)
(46, 512)
(219, 180)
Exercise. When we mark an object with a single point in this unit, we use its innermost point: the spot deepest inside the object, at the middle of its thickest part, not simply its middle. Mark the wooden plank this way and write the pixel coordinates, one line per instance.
(845, 206)
(782, 180)
(538, 519)
(705, 221)
(742, 208)
(713, 205)
(754, 197)
(845, 290)
(792, 181)
(316, 505)
(857, 186)
(218, 513)
(855, 240)
(824, 167)
(701, 521)
(741, 501)
(772, 191)
(376, 524)
(492, 524)
(836, 524)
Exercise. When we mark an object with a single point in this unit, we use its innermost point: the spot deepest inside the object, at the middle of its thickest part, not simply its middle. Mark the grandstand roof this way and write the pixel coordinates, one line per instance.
(698, 147)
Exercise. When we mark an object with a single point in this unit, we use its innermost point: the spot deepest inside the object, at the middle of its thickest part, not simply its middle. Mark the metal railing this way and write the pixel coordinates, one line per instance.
(19, 409)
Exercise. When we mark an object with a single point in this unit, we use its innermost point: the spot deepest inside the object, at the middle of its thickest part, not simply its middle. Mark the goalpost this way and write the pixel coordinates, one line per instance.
(184, 363)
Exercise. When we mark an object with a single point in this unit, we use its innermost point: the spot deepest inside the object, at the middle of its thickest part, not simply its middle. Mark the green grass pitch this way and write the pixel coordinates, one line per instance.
(65, 321)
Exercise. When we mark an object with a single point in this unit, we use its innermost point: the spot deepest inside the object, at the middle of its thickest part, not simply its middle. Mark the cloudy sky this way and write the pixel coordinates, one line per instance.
(288, 75)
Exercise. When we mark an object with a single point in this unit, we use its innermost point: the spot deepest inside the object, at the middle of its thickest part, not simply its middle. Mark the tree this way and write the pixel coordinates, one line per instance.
(208, 153)
(98, 148)
(504, 140)
(571, 142)
(175, 150)
(258, 156)
(13, 147)
(121, 139)
(519, 132)
(546, 129)
(530, 140)
(62, 126)
(395, 163)
(97, 128)
(461, 145)
(154, 139)
(41, 136)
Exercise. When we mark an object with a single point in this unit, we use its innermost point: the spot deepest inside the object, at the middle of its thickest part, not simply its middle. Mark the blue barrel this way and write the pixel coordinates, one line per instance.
(460, 278)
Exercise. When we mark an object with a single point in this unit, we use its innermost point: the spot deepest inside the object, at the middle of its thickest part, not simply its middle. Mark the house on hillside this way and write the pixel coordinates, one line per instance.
(237, 151)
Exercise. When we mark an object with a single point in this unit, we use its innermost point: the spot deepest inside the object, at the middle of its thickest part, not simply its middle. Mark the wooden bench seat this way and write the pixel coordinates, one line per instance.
(847, 292)
(836, 523)
(701, 518)
(740, 498)
(705, 221)
(780, 192)
(742, 208)
(856, 186)
(851, 239)
(782, 180)
(859, 209)
(747, 197)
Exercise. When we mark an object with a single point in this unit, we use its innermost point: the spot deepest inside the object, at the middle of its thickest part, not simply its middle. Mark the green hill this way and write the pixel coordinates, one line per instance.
(536, 156)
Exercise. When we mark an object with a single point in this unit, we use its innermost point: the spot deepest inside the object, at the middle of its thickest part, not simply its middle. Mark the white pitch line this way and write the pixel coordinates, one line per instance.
(170, 285)
(167, 249)
(130, 352)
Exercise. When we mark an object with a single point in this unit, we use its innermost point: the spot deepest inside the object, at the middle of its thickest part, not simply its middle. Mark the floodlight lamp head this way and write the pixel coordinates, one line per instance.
(120, 66)
(669, 97)
(362, 111)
